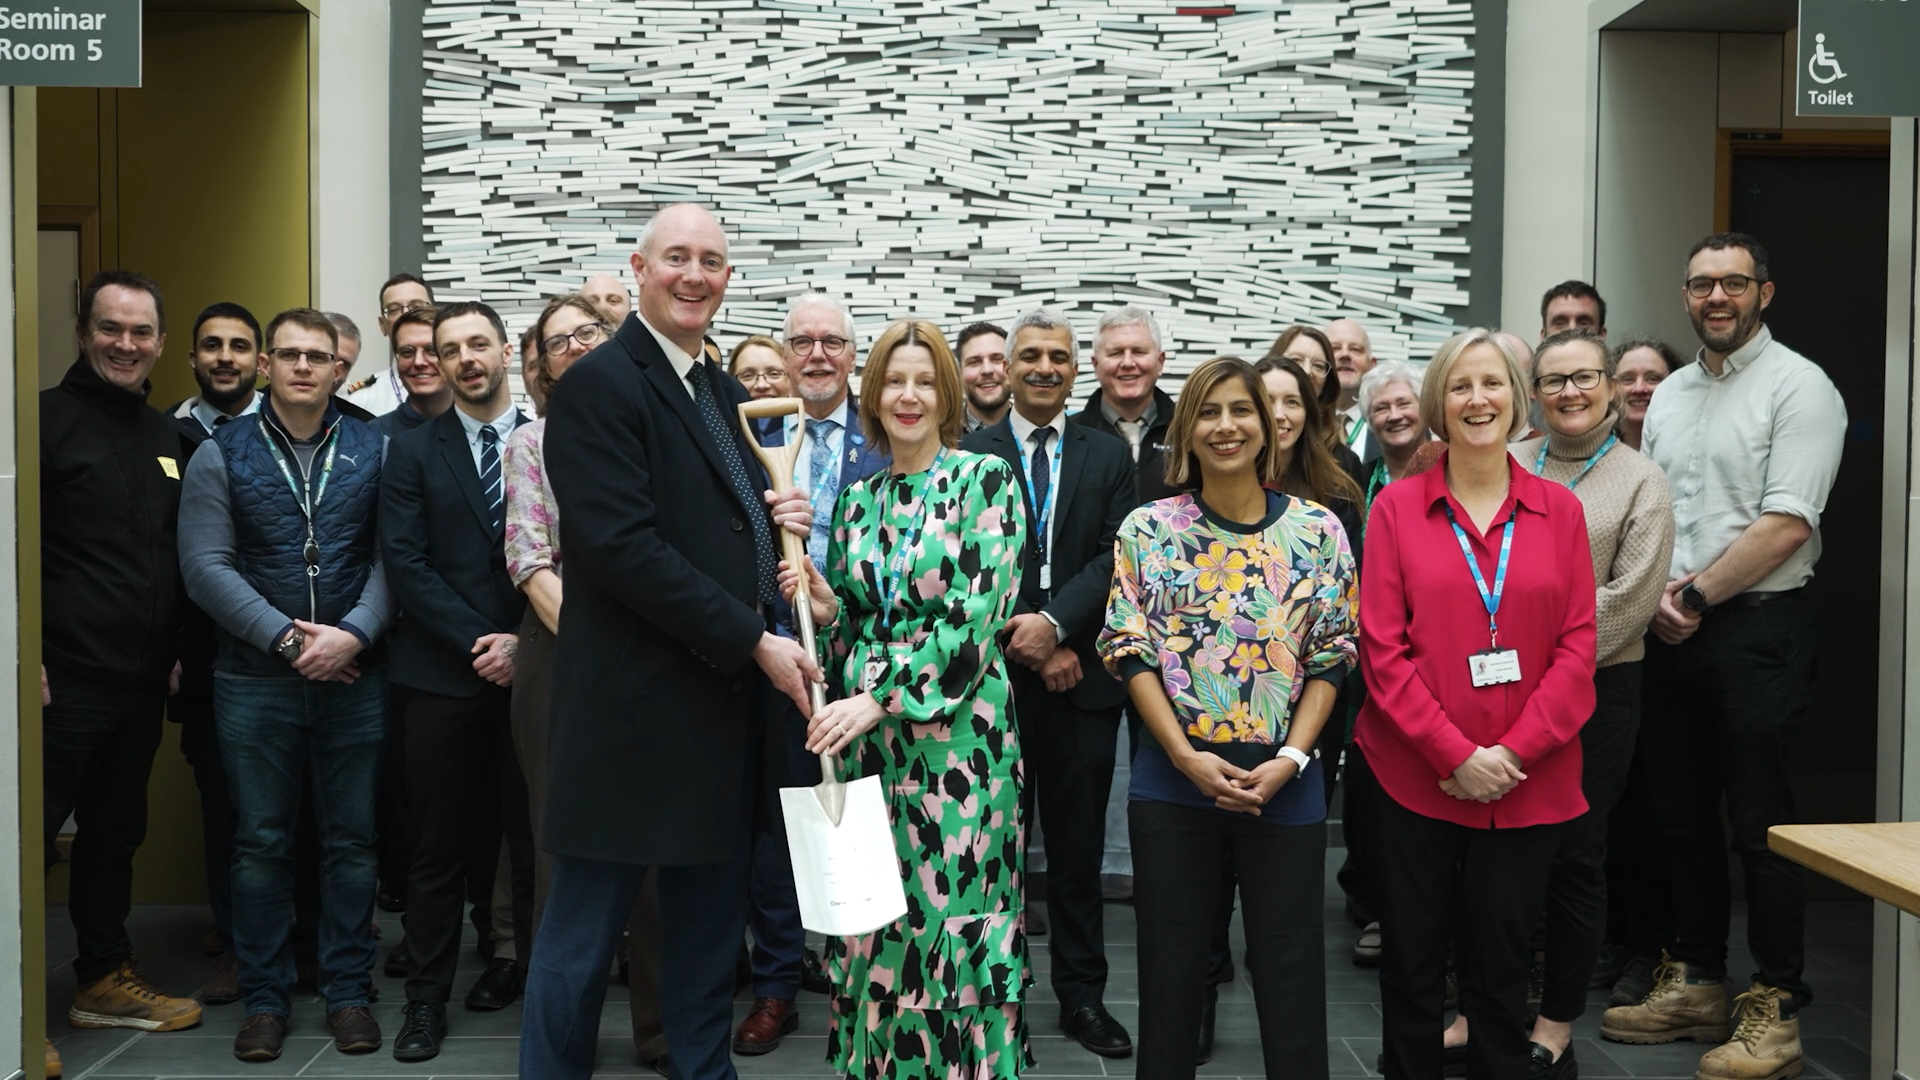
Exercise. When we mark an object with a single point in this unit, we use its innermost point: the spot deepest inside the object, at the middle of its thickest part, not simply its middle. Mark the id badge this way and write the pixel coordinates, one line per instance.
(1046, 576)
(871, 674)
(1494, 667)
(898, 653)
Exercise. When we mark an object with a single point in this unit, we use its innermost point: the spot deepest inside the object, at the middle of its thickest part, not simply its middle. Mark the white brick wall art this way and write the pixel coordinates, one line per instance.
(963, 159)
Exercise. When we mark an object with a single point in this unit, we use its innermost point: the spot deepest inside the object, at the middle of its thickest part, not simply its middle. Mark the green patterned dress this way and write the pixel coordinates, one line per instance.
(937, 993)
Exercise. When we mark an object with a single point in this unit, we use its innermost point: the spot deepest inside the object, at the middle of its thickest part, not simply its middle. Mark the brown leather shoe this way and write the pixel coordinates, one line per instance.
(53, 1062)
(260, 1038)
(354, 1030)
(762, 1030)
(224, 987)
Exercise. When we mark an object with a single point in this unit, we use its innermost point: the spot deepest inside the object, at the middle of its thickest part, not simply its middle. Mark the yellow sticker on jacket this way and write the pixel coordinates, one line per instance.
(170, 467)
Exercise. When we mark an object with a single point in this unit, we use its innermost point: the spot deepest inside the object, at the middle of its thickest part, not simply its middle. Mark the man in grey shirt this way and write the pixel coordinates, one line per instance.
(279, 545)
(1750, 440)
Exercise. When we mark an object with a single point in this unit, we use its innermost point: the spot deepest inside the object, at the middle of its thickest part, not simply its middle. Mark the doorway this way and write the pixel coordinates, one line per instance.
(1818, 202)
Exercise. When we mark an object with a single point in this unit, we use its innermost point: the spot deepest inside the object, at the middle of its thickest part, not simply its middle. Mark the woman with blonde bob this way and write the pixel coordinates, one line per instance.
(922, 574)
(1231, 623)
(1477, 646)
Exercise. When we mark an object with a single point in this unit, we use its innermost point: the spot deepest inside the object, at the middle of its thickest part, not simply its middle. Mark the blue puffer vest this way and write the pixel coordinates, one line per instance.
(270, 532)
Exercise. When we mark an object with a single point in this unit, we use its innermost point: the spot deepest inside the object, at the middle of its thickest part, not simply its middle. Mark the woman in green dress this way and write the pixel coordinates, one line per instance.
(922, 573)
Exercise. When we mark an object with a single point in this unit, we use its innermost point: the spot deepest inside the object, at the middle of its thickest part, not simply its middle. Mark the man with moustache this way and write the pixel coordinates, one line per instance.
(665, 736)
(1352, 359)
(428, 392)
(279, 547)
(1128, 356)
(381, 391)
(110, 473)
(609, 294)
(1078, 486)
(226, 364)
(1750, 439)
(982, 350)
(442, 526)
(819, 352)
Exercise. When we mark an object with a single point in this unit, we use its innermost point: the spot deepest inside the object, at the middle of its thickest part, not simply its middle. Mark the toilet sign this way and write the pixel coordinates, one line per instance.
(1857, 58)
(69, 42)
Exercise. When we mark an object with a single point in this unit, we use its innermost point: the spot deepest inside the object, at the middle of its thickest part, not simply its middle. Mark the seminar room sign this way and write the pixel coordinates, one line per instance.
(70, 42)
(1857, 58)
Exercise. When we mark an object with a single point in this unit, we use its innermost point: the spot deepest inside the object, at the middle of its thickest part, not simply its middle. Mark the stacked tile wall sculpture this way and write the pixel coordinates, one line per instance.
(964, 159)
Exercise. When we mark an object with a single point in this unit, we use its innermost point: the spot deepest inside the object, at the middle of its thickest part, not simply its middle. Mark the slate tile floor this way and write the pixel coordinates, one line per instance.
(484, 1045)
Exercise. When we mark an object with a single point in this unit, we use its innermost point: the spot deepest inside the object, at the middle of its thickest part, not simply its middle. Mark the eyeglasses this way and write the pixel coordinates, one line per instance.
(291, 357)
(1585, 379)
(1702, 287)
(834, 346)
(1313, 367)
(754, 378)
(412, 352)
(588, 334)
(412, 305)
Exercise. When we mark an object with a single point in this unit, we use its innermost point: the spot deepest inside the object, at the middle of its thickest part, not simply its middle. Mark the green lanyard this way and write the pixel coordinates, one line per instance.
(308, 505)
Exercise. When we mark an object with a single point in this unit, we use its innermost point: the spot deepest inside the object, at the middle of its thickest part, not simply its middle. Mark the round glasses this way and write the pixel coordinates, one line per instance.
(587, 334)
(833, 345)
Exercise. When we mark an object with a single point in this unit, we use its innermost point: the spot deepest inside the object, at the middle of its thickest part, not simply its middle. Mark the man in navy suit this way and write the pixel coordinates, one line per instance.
(1077, 485)
(668, 680)
(833, 453)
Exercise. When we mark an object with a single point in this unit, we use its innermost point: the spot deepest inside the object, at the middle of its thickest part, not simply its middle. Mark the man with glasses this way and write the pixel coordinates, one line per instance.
(382, 391)
(982, 349)
(833, 452)
(442, 531)
(279, 548)
(428, 394)
(110, 618)
(1750, 439)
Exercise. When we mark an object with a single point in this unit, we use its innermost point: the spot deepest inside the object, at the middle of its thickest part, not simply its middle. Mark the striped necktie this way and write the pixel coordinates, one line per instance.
(490, 484)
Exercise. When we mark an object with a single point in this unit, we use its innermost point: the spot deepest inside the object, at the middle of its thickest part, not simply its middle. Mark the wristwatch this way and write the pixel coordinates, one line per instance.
(1296, 755)
(289, 649)
(1695, 600)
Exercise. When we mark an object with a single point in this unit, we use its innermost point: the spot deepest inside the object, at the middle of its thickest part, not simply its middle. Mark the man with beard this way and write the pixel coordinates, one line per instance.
(1128, 356)
(1078, 488)
(428, 392)
(1750, 439)
(1352, 359)
(982, 349)
(442, 526)
(609, 294)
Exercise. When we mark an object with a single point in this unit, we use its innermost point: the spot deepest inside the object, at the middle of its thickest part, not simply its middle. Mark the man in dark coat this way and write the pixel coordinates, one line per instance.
(666, 669)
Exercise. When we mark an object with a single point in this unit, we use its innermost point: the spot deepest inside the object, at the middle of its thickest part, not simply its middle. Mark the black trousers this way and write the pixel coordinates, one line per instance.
(1359, 825)
(1639, 898)
(390, 809)
(1178, 855)
(1577, 887)
(1722, 710)
(464, 790)
(1437, 883)
(97, 748)
(1069, 755)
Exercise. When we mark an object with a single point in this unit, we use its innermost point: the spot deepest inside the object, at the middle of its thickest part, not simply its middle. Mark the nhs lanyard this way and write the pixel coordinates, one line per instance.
(1490, 598)
(894, 569)
(1540, 464)
(308, 504)
(1042, 514)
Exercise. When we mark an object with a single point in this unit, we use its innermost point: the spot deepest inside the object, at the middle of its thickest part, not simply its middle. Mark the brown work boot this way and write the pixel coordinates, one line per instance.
(224, 987)
(354, 1030)
(124, 999)
(1765, 1046)
(1674, 1009)
(261, 1036)
(53, 1062)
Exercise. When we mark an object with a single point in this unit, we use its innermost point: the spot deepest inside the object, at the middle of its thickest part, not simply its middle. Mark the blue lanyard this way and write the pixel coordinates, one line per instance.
(893, 570)
(1490, 599)
(1043, 514)
(1540, 465)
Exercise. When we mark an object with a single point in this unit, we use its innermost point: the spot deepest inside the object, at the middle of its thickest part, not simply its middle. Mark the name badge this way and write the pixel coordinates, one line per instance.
(1493, 667)
(170, 467)
(871, 674)
(1046, 576)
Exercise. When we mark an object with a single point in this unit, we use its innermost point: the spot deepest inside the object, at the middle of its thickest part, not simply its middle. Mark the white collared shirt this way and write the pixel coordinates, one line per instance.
(681, 360)
(1762, 437)
(502, 426)
(210, 416)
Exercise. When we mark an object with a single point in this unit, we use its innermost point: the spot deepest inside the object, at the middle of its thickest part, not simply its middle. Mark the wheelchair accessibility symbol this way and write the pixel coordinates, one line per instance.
(1822, 59)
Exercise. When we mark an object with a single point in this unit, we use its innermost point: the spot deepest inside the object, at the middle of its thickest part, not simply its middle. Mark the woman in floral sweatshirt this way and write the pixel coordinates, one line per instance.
(1231, 621)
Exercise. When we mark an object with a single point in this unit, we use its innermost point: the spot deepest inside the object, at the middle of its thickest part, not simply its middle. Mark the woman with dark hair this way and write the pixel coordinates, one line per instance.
(1308, 465)
(1231, 621)
(1640, 364)
(1313, 352)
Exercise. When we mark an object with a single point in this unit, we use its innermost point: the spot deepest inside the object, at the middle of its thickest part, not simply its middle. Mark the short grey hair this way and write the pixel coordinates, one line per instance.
(1131, 315)
(646, 231)
(812, 298)
(1383, 375)
(1045, 318)
(343, 326)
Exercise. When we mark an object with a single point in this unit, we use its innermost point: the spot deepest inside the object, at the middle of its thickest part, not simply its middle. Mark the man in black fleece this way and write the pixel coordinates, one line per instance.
(110, 468)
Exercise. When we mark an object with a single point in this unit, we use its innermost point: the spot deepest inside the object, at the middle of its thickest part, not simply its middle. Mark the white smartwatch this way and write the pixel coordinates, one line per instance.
(1296, 755)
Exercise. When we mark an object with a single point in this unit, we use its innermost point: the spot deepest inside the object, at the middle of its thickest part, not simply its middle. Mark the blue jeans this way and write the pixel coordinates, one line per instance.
(275, 733)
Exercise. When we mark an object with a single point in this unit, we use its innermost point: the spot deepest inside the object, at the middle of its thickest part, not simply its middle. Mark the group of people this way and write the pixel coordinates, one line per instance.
(383, 702)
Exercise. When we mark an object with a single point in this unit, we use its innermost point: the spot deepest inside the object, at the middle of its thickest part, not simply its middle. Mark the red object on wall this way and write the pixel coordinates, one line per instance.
(1204, 12)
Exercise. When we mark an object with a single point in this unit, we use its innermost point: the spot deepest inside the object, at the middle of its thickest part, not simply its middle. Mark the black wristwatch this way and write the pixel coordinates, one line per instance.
(1695, 600)
(289, 649)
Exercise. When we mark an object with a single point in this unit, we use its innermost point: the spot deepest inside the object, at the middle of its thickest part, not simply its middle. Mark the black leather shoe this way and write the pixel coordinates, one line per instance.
(399, 963)
(499, 986)
(1209, 1009)
(1453, 1061)
(813, 973)
(1541, 1066)
(1093, 1027)
(423, 1027)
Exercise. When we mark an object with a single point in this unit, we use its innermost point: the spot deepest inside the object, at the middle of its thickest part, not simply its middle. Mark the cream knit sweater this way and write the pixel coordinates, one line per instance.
(1629, 525)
